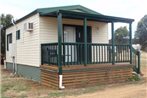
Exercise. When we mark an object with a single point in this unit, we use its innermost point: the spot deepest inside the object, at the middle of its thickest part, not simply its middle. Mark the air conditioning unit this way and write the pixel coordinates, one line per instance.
(28, 26)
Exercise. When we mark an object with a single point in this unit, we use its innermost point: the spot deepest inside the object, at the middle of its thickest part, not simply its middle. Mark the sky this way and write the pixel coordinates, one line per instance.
(134, 9)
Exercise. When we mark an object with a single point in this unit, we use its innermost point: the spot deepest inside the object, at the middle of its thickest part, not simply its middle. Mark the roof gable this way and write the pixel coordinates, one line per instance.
(75, 8)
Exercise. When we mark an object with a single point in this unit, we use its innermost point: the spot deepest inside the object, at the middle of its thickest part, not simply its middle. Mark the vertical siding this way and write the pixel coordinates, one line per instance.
(28, 48)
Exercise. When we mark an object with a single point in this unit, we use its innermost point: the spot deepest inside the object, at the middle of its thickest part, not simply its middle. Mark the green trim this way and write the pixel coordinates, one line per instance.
(95, 17)
(9, 66)
(130, 41)
(85, 40)
(113, 43)
(30, 72)
(106, 48)
(138, 62)
(60, 42)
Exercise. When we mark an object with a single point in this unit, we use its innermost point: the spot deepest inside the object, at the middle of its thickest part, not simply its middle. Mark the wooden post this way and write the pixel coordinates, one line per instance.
(59, 18)
(113, 43)
(130, 41)
(85, 41)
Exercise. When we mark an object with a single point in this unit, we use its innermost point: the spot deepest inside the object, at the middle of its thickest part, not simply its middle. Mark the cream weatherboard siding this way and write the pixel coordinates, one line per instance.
(48, 29)
(28, 47)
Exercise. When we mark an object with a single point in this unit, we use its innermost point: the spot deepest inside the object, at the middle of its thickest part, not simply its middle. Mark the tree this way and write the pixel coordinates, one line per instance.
(121, 35)
(5, 21)
(141, 32)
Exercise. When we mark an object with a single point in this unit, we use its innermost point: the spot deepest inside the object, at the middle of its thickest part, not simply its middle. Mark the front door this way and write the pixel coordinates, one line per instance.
(80, 39)
(75, 53)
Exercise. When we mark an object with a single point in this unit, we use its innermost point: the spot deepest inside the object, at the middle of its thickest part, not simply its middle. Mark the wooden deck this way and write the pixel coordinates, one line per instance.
(75, 76)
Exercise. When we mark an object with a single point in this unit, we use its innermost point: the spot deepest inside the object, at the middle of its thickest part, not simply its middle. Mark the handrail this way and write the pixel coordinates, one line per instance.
(136, 60)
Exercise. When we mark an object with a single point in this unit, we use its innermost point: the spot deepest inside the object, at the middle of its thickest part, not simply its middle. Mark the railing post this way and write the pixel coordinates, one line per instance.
(130, 41)
(85, 41)
(59, 18)
(113, 43)
(138, 70)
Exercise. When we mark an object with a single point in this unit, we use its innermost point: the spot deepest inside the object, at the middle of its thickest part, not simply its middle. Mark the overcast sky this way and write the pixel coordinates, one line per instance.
(134, 9)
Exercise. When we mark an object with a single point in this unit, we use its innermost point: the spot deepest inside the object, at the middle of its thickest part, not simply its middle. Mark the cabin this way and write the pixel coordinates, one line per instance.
(68, 47)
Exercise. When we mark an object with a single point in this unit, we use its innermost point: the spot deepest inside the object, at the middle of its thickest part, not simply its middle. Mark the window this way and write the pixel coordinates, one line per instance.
(17, 34)
(9, 40)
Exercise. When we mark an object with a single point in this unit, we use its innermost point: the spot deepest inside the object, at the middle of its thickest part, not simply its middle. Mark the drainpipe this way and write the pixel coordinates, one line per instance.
(13, 59)
(61, 82)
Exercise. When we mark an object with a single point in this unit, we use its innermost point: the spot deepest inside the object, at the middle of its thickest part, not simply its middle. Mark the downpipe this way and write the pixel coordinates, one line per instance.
(14, 66)
(61, 82)
(13, 59)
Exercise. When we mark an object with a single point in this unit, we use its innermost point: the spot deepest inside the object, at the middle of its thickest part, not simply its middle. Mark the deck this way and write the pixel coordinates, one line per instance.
(76, 76)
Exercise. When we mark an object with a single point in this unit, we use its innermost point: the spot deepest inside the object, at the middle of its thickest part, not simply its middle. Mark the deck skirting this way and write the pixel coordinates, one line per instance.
(81, 76)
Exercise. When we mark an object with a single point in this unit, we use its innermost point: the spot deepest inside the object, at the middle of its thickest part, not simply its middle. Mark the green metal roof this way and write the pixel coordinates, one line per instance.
(74, 8)
(93, 17)
(76, 12)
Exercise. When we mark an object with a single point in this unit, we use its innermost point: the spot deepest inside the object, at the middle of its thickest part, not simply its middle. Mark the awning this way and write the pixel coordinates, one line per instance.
(94, 17)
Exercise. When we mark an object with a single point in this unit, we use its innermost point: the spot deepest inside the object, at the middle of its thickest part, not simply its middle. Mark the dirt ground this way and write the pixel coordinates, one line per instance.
(18, 87)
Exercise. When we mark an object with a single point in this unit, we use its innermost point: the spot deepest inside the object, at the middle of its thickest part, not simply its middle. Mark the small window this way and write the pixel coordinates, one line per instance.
(9, 40)
(17, 34)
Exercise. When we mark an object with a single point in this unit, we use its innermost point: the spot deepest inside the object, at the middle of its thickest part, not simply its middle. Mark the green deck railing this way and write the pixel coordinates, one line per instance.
(73, 53)
(49, 53)
(136, 60)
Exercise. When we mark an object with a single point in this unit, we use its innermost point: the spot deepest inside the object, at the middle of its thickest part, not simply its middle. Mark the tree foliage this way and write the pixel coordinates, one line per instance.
(121, 35)
(5, 21)
(141, 32)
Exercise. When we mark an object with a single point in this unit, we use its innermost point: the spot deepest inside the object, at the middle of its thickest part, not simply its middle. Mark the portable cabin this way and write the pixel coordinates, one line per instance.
(68, 46)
